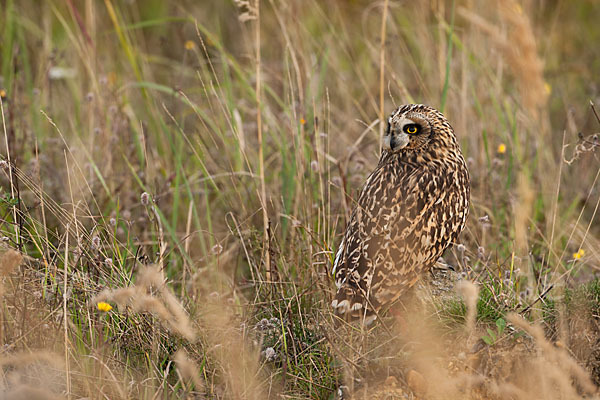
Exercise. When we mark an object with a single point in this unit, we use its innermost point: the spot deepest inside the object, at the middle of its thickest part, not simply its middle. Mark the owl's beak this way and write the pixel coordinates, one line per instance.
(395, 141)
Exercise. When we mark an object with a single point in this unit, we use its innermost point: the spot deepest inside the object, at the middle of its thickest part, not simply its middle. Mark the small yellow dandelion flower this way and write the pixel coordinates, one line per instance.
(103, 306)
(190, 45)
(112, 78)
(302, 121)
(579, 254)
(3, 93)
(501, 148)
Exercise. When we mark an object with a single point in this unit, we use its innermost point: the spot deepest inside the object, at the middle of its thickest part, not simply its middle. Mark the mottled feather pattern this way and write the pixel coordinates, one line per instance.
(411, 208)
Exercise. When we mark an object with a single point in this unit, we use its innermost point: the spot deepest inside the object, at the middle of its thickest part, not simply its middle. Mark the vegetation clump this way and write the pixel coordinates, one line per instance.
(175, 177)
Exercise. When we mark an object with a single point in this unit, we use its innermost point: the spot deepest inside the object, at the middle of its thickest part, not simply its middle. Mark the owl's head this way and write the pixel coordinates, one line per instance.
(416, 127)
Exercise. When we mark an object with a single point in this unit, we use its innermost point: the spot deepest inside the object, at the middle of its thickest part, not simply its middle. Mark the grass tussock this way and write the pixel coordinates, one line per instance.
(175, 178)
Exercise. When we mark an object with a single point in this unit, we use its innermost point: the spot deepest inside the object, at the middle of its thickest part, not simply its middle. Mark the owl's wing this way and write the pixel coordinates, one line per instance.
(398, 229)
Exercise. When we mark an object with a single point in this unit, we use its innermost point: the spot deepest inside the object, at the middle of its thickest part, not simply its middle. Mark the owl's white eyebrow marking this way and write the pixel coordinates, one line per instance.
(417, 115)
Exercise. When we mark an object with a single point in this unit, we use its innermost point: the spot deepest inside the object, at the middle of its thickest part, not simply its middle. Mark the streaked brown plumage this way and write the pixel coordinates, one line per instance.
(411, 208)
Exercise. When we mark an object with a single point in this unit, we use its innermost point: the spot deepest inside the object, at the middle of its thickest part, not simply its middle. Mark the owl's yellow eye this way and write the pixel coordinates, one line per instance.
(411, 129)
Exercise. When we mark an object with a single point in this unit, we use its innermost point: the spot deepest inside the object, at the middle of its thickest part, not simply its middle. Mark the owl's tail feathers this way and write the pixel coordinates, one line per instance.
(350, 305)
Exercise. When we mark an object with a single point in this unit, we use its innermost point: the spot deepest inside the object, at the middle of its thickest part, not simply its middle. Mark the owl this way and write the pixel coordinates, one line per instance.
(411, 208)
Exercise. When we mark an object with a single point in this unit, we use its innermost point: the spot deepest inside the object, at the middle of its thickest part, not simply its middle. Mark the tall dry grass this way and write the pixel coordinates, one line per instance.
(193, 166)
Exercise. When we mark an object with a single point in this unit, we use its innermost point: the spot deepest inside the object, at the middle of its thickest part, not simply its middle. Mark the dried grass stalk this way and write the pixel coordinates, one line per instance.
(140, 298)
(187, 369)
(9, 262)
(470, 293)
(559, 367)
(519, 48)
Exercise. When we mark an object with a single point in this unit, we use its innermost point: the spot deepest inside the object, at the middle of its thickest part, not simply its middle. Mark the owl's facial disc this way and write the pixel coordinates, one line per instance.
(406, 132)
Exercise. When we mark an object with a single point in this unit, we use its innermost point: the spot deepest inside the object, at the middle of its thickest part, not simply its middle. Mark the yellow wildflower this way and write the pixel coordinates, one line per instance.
(518, 8)
(103, 306)
(501, 148)
(579, 254)
(547, 88)
(112, 78)
(190, 45)
(3, 93)
(302, 121)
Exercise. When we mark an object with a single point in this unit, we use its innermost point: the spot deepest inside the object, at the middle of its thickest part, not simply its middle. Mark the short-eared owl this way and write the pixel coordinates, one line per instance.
(411, 208)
